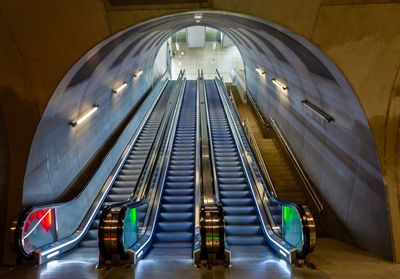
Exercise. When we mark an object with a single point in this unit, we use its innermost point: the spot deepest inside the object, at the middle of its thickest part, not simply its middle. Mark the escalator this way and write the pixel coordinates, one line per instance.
(175, 222)
(253, 216)
(42, 232)
(242, 222)
(166, 215)
(125, 183)
(236, 207)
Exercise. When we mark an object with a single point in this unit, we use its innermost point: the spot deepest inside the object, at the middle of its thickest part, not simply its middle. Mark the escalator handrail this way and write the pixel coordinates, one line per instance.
(147, 237)
(138, 196)
(71, 241)
(270, 198)
(152, 194)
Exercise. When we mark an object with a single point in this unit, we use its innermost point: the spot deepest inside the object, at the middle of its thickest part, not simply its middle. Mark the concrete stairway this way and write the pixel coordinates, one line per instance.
(284, 180)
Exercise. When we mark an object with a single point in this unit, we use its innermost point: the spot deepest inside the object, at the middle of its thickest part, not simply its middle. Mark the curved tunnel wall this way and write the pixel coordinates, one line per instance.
(340, 156)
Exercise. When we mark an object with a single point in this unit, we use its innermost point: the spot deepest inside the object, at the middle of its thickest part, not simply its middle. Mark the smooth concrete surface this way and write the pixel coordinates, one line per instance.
(43, 40)
(332, 259)
(340, 260)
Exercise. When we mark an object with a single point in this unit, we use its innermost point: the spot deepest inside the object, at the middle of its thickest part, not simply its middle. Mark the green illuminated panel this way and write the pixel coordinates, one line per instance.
(130, 228)
(292, 231)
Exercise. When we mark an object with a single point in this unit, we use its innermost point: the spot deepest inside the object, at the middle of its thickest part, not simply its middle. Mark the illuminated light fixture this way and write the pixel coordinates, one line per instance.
(182, 53)
(121, 88)
(197, 20)
(317, 111)
(261, 72)
(214, 45)
(277, 82)
(53, 254)
(138, 74)
(177, 46)
(198, 16)
(85, 116)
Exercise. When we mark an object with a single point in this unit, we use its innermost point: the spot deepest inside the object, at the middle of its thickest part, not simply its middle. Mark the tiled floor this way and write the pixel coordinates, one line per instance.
(333, 259)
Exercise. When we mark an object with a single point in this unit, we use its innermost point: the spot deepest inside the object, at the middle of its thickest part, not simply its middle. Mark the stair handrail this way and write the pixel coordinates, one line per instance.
(59, 245)
(287, 151)
(264, 169)
(282, 142)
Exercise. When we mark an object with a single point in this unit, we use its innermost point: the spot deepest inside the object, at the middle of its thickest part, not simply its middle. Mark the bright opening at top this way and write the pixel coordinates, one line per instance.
(200, 47)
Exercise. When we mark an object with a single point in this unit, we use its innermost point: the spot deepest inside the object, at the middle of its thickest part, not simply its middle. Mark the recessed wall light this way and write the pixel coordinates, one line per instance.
(277, 82)
(120, 88)
(85, 116)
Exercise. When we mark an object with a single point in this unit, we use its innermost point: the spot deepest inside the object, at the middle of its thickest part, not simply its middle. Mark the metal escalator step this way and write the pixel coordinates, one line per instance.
(178, 192)
(231, 180)
(240, 240)
(233, 187)
(180, 178)
(179, 184)
(177, 207)
(130, 172)
(177, 199)
(137, 165)
(228, 163)
(229, 168)
(175, 226)
(181, 167)
(241, 219)
(185, 173)
(176, 216)
(236, 202)
(178, 162)
(173, 245)
(243, 230)
(174, 236)
(117, 197)
(123, 184)
(235, 194)
(230, 175)
(239, 210)
(124, 177)
(120, 190)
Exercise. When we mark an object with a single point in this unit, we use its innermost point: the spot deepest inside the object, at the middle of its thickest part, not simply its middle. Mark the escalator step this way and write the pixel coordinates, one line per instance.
(175, 226)
(174, 236)
(250, 230)
(177, 207)
(240, 240)
(176, 216)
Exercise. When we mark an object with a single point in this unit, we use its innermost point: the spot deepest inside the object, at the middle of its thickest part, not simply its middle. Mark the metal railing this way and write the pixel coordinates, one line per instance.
(270, 128)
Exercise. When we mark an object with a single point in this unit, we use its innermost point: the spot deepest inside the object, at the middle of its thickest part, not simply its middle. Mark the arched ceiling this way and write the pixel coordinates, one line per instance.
(339, 156)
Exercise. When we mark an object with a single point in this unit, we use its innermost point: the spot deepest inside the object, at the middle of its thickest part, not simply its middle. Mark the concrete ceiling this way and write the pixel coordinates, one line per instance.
(347, 172)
